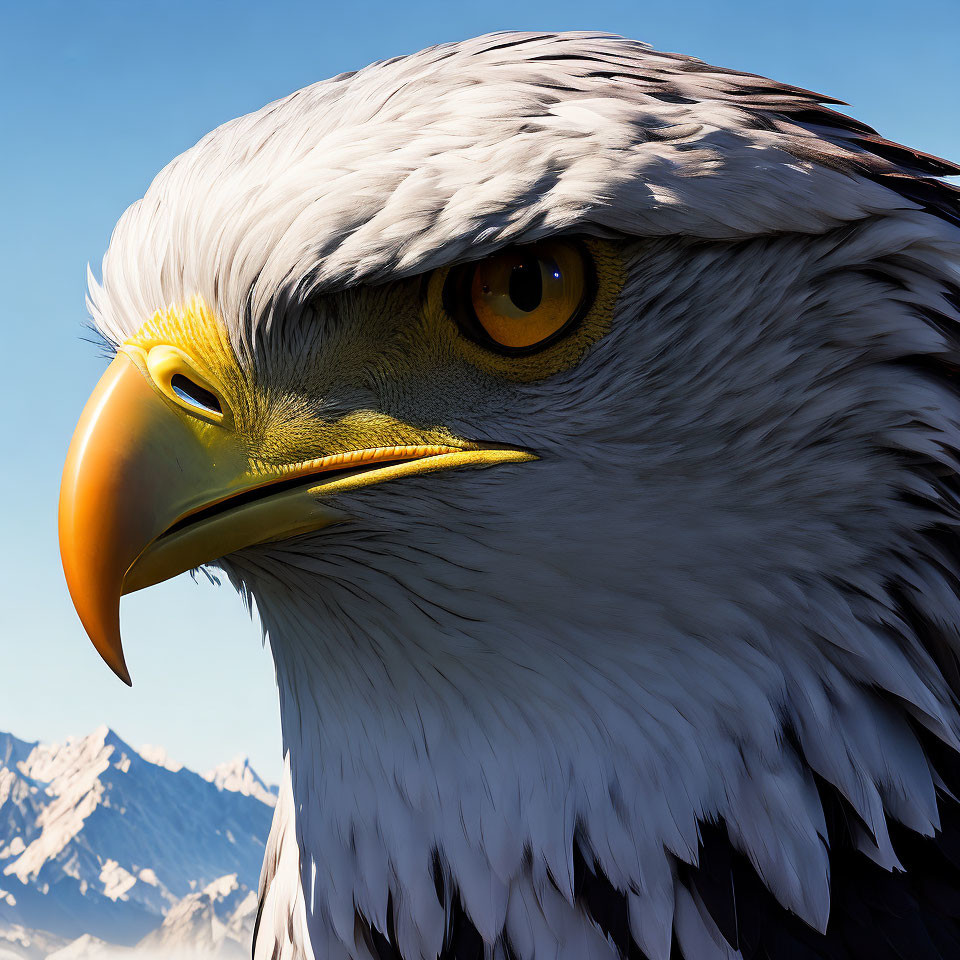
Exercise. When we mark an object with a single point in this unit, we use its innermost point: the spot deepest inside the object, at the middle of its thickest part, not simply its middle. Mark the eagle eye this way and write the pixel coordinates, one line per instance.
(523, 298)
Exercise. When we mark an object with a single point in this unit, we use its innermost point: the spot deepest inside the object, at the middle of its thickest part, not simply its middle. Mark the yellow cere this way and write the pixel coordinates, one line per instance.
(194, 329)
(275, 427)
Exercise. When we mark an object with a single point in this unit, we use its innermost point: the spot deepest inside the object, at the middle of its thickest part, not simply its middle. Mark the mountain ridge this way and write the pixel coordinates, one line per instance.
(101, 843)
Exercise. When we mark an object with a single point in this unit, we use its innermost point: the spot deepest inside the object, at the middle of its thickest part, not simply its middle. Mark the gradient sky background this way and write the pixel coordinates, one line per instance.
(98, 96)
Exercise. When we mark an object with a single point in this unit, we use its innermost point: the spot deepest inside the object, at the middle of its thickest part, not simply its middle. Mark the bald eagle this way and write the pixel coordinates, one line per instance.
(583, 421)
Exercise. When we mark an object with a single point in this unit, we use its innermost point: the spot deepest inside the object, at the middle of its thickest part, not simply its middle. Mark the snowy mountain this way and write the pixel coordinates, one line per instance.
(103, 847)
(239, 776)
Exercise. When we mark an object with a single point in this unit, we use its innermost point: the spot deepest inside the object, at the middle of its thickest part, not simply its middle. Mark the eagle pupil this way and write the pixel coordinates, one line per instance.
(526, 285)
(193, 393)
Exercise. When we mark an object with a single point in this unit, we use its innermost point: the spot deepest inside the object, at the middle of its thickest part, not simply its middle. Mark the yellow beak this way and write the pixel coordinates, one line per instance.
(152, 487)
(134, 468)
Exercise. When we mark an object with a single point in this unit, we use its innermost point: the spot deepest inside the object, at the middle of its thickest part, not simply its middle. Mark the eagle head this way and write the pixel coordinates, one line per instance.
(583, 421)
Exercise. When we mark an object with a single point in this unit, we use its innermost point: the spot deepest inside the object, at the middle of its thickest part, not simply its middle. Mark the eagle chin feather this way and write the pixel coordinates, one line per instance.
(687, 686)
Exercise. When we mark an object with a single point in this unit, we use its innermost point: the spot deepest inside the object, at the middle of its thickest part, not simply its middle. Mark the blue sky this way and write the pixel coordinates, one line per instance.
(98, 96)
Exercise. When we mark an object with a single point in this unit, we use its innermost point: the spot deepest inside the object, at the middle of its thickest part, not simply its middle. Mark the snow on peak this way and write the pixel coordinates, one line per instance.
(81, 948)
(238, 776)
(218, 920)
(221, 887)
(61, 763)
(160, 757)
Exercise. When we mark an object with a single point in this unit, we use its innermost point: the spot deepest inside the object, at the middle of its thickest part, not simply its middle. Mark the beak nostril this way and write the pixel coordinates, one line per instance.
(194, 394)
(177, 377)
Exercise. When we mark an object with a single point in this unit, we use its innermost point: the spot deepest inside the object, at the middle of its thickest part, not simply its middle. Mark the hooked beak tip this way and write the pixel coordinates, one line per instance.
(120, 669)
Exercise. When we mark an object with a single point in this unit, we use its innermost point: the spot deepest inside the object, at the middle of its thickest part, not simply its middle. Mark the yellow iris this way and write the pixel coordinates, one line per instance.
(526, 295)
